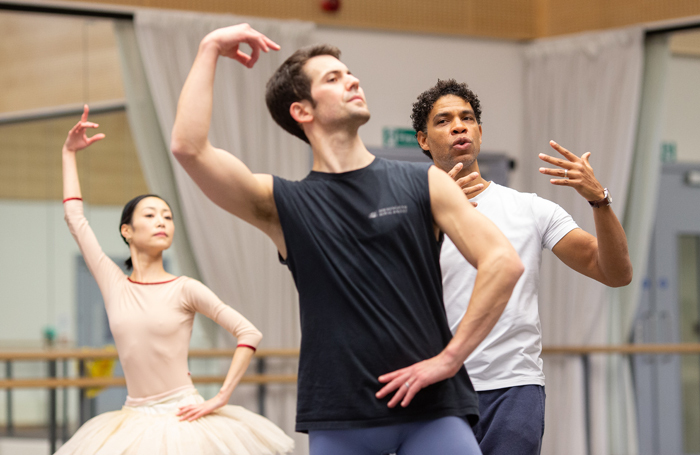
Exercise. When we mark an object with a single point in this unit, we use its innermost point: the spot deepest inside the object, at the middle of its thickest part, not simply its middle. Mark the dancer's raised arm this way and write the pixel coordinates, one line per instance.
(224, 178)
(105, 271)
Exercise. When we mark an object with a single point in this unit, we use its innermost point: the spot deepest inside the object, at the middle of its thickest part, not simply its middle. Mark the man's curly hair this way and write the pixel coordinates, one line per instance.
(426, 100)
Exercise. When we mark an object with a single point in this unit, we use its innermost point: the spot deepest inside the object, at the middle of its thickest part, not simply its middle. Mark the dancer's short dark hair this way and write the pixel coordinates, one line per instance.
(127, 216)
(290, 84)
(426, 100)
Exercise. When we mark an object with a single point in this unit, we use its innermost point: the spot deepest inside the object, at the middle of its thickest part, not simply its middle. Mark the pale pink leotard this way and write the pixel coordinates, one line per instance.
(152, 322)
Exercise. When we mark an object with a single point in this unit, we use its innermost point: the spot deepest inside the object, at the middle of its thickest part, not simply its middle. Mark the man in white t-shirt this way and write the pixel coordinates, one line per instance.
(506, 368)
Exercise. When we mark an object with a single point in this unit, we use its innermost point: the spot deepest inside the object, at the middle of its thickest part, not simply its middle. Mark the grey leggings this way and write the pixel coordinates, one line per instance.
(444, 436)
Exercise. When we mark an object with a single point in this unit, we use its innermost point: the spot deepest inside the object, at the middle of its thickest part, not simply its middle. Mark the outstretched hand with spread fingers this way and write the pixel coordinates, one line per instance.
(229, 39)
(77, 137)
(465, 181)
(574, 172)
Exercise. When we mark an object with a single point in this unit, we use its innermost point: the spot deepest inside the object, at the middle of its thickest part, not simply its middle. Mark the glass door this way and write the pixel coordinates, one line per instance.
(689, 303)
(667, 387)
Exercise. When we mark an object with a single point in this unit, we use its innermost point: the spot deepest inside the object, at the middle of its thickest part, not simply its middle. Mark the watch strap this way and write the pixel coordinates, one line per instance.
(606, 201)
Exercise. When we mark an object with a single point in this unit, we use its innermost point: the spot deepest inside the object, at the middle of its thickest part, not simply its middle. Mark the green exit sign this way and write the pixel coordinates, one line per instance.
(668, 152)
(399, 137)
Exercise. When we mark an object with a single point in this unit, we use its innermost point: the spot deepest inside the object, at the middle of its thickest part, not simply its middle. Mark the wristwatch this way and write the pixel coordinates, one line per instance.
(606, 201)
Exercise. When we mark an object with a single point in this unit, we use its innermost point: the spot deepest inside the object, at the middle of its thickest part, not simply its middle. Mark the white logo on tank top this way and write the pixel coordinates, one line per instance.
(395, 210)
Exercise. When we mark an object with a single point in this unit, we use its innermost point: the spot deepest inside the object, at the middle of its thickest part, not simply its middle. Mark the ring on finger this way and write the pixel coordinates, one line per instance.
(566, 173)
(407, 384)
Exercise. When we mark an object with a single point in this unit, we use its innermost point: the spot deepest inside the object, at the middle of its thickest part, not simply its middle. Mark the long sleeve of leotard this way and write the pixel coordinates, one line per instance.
(201, 299)
(103, 269)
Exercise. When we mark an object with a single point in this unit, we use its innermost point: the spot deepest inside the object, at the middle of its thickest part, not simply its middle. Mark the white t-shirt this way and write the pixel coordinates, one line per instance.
(510, 354)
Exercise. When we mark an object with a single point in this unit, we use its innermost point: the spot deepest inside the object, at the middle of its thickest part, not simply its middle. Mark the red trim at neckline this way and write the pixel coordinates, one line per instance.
(157, 282)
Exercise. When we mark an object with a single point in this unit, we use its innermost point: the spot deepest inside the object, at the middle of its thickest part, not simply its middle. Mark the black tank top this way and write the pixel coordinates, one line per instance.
(362, 250)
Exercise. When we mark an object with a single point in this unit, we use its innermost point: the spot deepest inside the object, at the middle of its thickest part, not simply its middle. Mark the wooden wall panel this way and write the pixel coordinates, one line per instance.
(505, 19)
(30, 161)
(50, 60)
(573, 16)
(510, 19)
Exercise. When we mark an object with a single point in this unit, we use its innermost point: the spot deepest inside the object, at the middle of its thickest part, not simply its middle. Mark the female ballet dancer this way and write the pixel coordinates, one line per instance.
(150, 315)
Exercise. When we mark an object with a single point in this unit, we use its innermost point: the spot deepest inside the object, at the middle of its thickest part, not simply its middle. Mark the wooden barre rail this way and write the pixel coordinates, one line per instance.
(87, 354)
(84, 383)
(90, 354)
(666, 349)
(627, 349)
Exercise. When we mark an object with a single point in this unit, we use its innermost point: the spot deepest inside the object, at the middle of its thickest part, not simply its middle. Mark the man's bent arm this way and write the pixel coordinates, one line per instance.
(498, 270)
(223, 177)
(605, 259)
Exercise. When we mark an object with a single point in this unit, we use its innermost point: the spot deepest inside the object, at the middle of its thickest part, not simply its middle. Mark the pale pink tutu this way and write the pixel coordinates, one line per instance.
(152, 428)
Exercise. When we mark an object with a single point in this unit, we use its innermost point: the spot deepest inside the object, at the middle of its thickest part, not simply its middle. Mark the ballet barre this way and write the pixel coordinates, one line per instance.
(624, 349)
(88, 383)
(91, 354)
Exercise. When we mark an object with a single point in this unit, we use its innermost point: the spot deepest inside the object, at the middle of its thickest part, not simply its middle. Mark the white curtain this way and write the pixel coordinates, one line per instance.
(584, 92)
(235, 260)
(152, 149)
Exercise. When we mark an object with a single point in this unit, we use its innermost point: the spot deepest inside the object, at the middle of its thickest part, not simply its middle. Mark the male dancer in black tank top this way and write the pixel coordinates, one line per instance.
(379, 371)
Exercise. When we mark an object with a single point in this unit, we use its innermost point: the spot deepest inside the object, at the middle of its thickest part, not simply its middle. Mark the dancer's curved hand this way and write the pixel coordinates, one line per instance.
(575, 172)
(193, 412)
(417, 376)
(464, 181)
(77, 137)
(228, 40)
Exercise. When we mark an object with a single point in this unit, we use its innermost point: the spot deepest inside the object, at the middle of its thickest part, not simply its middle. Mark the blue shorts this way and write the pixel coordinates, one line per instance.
(444, 436)
(511, 420)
